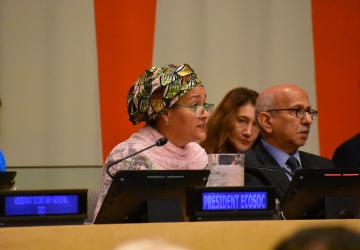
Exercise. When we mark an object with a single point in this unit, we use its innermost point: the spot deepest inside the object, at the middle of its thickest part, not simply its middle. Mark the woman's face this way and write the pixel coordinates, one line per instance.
(184, 125)
(243, 130)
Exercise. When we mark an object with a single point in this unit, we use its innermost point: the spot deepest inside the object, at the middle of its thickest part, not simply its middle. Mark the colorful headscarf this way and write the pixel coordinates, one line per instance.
(158, 89)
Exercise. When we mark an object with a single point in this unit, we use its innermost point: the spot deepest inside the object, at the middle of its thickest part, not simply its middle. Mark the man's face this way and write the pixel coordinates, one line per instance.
(290, 132)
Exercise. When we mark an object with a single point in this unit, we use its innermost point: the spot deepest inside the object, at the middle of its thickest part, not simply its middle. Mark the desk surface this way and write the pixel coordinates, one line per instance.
(194, 235)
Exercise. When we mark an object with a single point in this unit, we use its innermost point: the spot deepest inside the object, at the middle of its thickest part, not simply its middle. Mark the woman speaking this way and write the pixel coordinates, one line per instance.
(171, 102)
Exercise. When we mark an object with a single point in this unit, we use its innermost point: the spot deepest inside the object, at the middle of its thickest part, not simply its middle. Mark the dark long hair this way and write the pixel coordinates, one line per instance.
(219, 122)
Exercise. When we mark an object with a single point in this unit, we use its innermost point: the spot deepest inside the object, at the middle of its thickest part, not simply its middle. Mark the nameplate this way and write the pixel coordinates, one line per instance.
(243, 200)
(43, 206)
(230, 203)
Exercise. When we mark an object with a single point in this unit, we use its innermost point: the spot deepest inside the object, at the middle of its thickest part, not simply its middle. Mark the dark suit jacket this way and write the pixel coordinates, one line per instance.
(347, 155)
(261, 159)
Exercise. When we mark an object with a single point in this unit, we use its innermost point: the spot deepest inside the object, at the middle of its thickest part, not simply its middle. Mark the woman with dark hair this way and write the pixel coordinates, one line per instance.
(232, 128)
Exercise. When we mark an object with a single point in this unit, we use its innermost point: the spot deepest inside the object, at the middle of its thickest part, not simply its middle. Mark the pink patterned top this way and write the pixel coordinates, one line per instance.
(169, 156)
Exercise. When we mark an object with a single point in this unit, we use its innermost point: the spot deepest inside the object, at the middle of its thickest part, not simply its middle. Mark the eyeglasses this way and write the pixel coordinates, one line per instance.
(198, 109)
(299, 112)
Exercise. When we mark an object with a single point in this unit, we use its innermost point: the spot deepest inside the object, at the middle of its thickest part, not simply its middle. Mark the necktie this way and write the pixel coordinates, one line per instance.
(293, 163)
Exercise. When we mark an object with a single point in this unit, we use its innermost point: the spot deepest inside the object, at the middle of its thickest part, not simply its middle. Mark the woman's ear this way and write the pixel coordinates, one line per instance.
(165, 118)
(264, 120)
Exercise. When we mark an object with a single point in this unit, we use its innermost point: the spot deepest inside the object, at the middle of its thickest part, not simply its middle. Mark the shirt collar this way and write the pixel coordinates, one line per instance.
(280, 156)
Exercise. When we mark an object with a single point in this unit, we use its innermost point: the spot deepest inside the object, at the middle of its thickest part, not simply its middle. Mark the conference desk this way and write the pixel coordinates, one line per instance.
(193, 235)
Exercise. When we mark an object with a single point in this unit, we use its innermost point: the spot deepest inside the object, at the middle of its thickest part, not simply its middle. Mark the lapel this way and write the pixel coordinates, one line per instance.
(307, 161)
(277, 178)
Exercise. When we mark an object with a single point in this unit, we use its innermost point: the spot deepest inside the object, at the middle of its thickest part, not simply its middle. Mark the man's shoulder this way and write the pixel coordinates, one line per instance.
(259, 156)
(312, 156)
(315, 161)
(353, 144)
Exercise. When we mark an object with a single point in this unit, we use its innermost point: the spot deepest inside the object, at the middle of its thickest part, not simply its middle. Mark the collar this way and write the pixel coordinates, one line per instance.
(280, 156)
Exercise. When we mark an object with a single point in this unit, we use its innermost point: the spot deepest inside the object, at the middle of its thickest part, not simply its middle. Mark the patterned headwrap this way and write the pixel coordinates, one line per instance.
(157, 89)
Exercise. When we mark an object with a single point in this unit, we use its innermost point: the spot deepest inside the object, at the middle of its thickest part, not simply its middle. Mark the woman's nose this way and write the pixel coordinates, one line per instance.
(248, 129)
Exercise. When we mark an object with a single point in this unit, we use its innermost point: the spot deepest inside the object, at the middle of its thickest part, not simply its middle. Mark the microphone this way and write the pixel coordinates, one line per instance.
(251, 162)
(272, 169)
(160, 142)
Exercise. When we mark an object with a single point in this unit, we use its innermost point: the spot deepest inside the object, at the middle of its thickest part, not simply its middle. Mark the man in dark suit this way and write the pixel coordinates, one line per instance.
(347, 155)
(284, 116)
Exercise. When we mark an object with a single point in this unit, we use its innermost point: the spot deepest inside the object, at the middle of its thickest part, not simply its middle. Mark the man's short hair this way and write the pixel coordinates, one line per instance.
(264, 102)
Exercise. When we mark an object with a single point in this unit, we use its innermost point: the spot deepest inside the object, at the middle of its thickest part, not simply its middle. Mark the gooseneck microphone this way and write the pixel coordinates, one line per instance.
(271, 169)
(160, 142)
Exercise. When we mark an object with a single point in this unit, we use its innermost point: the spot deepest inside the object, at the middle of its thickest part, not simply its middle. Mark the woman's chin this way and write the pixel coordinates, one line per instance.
(200, 137)
(242, 148)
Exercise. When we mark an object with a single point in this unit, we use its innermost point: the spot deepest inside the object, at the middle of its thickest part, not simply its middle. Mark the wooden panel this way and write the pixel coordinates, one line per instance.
(194, 235)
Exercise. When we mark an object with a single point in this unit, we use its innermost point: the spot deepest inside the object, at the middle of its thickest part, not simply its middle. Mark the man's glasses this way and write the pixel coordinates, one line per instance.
(198, 109)
(299, 112)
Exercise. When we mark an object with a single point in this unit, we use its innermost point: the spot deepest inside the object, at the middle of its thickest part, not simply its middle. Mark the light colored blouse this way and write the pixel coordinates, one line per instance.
(168, 157)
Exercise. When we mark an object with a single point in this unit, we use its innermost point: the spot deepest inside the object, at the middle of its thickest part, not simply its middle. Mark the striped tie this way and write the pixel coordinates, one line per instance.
(293, 163)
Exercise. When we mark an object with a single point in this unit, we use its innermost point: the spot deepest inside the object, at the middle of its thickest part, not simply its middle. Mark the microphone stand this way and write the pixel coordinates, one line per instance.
(160, 142)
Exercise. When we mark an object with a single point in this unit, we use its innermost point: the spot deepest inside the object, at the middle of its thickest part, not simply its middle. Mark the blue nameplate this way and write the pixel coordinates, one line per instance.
(230, 203)
(43, 207)
(19, 205)
(247, 200)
